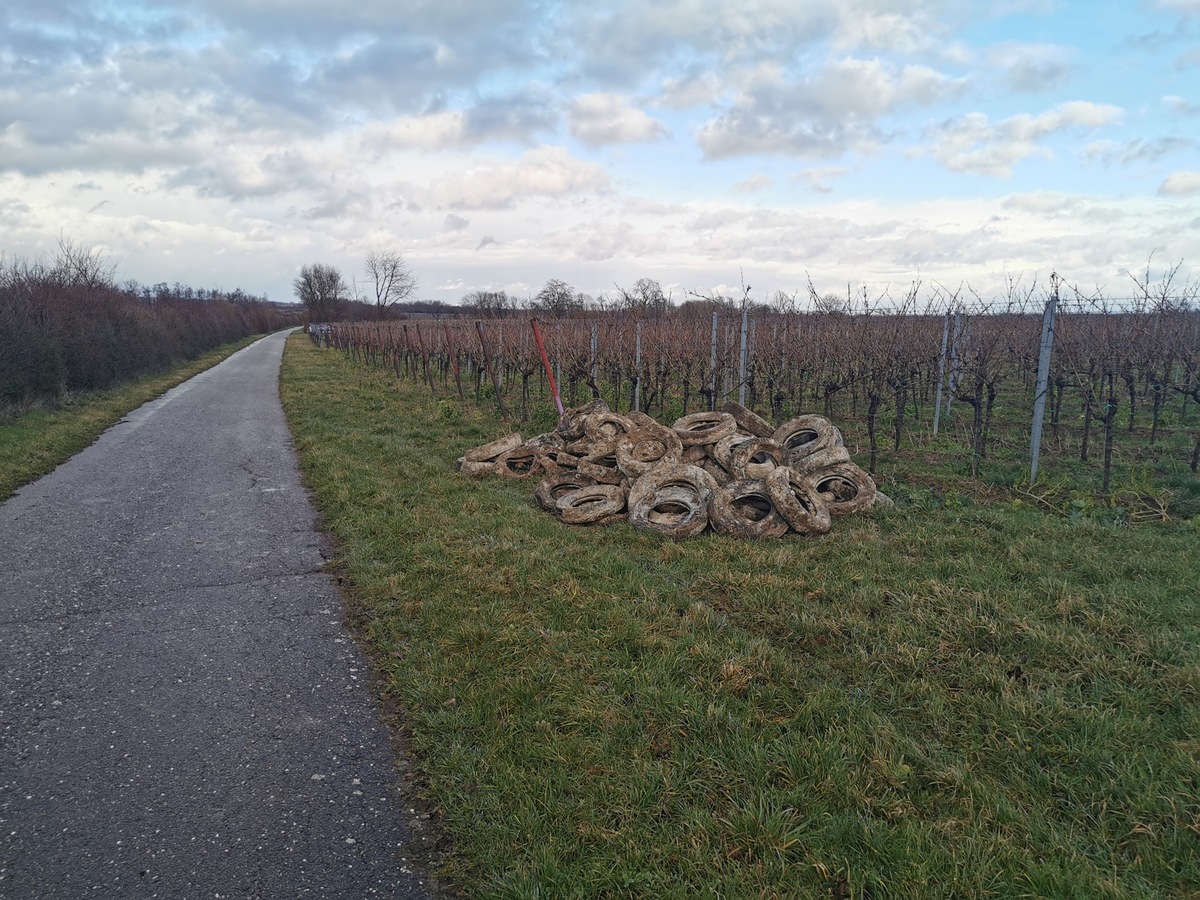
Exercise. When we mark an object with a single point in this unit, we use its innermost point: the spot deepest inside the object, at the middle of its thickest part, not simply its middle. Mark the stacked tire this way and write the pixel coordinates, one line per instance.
(729, 471)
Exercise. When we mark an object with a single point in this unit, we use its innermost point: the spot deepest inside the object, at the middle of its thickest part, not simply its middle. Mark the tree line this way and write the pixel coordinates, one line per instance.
(67, 325)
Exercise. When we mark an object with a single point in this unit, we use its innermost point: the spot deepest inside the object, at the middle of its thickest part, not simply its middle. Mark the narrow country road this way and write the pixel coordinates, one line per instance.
(182, 712)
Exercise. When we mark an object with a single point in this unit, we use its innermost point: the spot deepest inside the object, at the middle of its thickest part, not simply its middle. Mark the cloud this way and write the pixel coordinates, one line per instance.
(541, 172)
(454, 222)
(604, 118)
(696, 88)
(821, 114)
(1180, 106)
(1184, 7)
(971, 143)
(517, 117)
(753, 184)
(1030, 68)
(1137, 149)
(1180, 184)
(818, 179)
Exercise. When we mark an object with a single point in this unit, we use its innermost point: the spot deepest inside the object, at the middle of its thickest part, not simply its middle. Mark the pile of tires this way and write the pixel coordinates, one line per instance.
(729, 471)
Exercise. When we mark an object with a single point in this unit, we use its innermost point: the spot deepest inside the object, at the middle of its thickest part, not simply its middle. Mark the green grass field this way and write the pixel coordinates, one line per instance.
(37, 441)
(951, 698)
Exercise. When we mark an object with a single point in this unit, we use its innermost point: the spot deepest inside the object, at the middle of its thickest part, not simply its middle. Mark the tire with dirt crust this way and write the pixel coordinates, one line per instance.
(748, 420)
(805, 435)
(798, 502)
(606, 426)
(757, 458)
(520, 462)
(552, 487)
(744, 509)
(488, 452)
(672, 500)
(719, 473)
(601, 463)
(590, 504)
(844, 487)
(570, 423)
(474, 469)
(704, 428)
(822, 459)
(646, 448)
(722, 450)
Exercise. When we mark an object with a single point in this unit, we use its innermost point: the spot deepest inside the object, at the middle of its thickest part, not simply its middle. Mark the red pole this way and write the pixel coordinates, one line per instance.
(537, 334)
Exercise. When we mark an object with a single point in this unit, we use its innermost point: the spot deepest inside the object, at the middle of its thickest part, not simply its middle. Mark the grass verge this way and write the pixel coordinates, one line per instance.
(942, 700)
(42, 439)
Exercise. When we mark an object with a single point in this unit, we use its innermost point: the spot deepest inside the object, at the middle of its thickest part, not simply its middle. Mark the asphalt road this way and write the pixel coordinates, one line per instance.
(182, 712)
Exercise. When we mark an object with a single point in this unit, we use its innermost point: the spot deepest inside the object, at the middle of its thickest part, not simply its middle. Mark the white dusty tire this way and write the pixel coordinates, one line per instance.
(672, 500)
(844, 487)
(798, 502)
(744, 509)
(489, 451)
(589, 505)
(806, 435)
(757, 458)
(552, 487)
(704, 428)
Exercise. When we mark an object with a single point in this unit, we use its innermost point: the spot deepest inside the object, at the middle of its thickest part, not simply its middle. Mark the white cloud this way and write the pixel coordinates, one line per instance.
(818, 179)
(1187, 7)
(819, 115)
(754, 183)
(1029, 68)
(1180, 184)
(971, 143)
(436, 131)
(1136, 149)
(689, 90)
(540, 172)
(604, 118)
(1181, 106)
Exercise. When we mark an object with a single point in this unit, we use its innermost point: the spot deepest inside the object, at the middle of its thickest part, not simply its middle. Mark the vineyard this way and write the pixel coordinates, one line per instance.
(942, 378)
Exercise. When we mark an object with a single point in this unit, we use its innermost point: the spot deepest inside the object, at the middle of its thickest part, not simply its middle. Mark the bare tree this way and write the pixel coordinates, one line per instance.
(390, 278)
(322, 290)
(491, 303)
(556, 298)
(646, 296)
(78, 265)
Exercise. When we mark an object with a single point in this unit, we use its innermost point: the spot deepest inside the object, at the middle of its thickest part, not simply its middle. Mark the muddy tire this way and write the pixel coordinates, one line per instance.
(606, 426)
(844, 487)
(798, 502)
(601, 464)
(548, 441)
(646, 448)
(704, 428)
(822, 459)
(518, 463)
(642, 420)
(570, 423)
(488, 452)
(590, 504)
(806, 435)
(722, 450)
(744, 509)
(474, 469)
(757, 458)
(748, 420)
(552, 487)
(672, 500)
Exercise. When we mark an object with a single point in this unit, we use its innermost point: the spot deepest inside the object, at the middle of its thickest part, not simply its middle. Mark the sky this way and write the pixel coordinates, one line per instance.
(706, 144)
